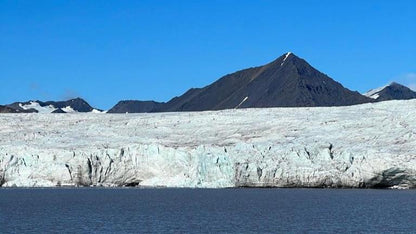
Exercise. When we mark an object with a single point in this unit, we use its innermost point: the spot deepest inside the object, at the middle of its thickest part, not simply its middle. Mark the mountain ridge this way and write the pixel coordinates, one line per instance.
(134, 106)
(36, 106)
(287, 81)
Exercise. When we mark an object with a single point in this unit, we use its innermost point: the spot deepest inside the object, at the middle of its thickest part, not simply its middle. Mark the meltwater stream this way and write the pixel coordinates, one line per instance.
(86, 210)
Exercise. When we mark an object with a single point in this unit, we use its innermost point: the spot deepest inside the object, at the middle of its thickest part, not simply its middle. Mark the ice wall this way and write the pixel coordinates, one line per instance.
(370, 145)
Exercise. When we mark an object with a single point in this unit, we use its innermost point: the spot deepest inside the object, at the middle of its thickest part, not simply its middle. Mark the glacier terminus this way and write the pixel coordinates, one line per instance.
(370, 145)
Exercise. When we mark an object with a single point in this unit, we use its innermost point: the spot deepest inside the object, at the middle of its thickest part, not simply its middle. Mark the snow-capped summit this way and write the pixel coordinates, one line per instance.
(392, 91)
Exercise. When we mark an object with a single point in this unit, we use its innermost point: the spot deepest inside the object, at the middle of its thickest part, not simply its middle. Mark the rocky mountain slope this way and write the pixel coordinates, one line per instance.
(286, 82)
(361, 146)
(7, 109)
(289, 81)
(393, 91)
(132, 106)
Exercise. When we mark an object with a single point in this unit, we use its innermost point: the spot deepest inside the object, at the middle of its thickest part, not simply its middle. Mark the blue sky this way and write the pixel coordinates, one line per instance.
(106, 51)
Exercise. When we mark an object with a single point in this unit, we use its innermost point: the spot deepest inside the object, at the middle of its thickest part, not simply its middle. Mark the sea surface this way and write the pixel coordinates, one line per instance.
(134, 210)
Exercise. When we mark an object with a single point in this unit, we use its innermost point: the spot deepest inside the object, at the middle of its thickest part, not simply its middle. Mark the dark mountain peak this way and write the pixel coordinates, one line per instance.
(397, 85)
(287, 55)
(77, 104)
(292, 64)
(286, 81)
(393, 91)
(283, 59)
(77, 100)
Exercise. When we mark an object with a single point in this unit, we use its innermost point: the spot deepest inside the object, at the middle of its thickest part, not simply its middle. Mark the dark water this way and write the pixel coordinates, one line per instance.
(199, 210)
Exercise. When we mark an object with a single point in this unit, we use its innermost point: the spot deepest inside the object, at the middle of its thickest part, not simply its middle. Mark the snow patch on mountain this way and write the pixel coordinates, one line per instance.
(98, 111)
(241, 103)
(68, 109)
(370, 145)
(38, 107)
(287, 55)
(374, 93)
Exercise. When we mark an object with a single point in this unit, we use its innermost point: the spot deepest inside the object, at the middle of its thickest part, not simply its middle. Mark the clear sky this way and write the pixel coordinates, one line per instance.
(106, 51)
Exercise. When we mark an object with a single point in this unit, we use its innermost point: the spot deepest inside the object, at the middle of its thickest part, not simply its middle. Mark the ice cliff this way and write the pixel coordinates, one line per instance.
(370, 145)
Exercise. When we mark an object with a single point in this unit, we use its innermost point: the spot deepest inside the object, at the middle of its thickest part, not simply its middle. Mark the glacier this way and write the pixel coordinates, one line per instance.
(363, 146)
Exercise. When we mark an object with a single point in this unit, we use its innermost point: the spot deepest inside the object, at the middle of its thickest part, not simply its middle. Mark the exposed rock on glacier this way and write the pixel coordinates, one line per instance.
(370, 145)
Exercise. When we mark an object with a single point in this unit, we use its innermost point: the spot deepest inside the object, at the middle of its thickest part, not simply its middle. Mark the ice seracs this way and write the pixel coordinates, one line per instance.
(362, 146)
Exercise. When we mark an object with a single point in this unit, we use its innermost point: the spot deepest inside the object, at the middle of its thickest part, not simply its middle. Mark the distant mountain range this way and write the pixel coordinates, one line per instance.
(288, 81)
(70, 106)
